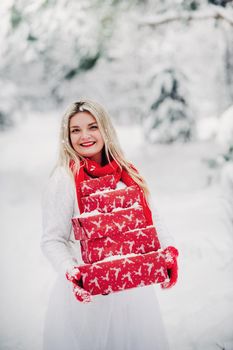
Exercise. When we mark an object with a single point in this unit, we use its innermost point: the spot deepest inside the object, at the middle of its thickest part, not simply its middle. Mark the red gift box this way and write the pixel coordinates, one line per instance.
(103, 224)
(129, 272)
(110, 200)
(137, 241)
(90, 186)
(113, 226)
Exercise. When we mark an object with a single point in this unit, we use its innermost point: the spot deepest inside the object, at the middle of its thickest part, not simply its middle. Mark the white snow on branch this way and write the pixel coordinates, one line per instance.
(214, 12)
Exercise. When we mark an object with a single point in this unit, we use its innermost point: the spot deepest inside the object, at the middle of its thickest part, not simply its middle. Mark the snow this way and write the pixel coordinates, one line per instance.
(95, 212)
(86, 215)
(117, 257)
(136, 205)
(197, 312)
(207, 128)
(225, 130)
(51, 67)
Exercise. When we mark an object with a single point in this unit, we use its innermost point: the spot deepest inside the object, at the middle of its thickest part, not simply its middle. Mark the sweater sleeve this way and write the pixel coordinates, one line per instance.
(164, 235)
(58, 200)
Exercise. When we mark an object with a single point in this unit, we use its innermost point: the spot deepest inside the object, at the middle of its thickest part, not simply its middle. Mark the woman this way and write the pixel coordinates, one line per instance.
(127, 320)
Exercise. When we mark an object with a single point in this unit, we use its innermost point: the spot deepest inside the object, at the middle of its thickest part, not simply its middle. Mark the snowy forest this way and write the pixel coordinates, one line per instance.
(164, 71)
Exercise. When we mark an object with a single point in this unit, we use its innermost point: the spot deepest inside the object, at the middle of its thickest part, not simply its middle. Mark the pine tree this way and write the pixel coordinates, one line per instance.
(169, 118)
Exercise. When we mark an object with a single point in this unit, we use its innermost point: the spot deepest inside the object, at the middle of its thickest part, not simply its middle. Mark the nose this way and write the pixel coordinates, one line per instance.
(85, 135)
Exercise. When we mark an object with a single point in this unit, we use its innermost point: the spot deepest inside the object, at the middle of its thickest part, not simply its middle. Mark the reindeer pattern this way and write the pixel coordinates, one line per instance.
(118, 248)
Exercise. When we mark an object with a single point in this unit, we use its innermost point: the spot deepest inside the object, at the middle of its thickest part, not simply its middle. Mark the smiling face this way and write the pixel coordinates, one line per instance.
(85, 136)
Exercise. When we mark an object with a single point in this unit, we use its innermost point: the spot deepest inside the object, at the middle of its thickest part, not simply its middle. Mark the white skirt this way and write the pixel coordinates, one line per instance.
(127, 320)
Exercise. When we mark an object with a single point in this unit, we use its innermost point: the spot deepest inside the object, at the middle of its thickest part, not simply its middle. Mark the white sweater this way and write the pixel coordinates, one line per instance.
(59, 205)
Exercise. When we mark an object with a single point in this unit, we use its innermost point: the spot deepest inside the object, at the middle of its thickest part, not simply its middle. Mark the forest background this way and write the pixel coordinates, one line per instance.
(164, 71)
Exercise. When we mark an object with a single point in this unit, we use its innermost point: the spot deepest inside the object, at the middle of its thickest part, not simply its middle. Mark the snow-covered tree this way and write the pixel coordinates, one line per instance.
(223, 157)
(54, 51)
(225, 135)
(46, 43)
(222, 3)
(169, 118)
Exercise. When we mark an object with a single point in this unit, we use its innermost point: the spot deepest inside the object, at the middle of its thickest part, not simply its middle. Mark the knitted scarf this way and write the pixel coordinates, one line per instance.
(91, 169)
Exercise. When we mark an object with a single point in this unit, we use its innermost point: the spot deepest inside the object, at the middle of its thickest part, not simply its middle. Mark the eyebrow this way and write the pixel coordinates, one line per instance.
(77, 126)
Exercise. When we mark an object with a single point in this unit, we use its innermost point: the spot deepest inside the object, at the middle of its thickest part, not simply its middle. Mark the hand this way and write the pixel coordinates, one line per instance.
(170, 255)
(74, 276)
(81, 294)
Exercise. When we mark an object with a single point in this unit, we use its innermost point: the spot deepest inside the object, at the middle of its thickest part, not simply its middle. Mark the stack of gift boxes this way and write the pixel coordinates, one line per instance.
(118, 248)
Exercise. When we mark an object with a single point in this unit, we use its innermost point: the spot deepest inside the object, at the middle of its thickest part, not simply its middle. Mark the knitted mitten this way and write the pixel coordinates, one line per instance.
(73, 275)
(171, 254)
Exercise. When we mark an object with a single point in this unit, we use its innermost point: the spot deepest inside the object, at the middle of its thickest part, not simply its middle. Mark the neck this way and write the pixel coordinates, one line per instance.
(100, 158)
(97, 158)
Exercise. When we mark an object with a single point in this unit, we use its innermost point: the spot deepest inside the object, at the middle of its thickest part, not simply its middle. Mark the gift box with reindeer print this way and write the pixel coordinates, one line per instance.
(118, 248)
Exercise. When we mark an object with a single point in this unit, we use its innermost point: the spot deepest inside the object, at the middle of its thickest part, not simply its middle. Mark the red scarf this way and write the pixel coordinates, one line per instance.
(91, 169)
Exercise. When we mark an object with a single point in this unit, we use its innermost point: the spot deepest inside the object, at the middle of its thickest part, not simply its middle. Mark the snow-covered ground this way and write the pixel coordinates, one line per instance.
(198, 311)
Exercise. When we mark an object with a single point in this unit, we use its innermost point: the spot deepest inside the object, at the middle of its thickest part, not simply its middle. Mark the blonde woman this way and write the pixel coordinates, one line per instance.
(130, 319)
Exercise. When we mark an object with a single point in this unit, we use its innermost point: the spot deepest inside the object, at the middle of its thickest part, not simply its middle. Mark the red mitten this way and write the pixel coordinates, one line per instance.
(74, 275)
(81, 294)
(171, 254)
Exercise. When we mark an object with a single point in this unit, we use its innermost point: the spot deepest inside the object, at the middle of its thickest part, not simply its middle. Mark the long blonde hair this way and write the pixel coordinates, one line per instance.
(107, 130)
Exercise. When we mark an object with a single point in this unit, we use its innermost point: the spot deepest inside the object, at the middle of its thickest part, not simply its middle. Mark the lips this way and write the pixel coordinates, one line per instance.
(87, 144)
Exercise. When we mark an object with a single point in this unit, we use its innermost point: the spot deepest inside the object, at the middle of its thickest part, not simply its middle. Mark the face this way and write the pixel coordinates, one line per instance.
(85, 136)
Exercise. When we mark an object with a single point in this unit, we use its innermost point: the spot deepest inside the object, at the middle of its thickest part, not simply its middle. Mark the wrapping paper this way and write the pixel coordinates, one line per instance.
(104, 224)
(106, 182)
(118, 248)
(137, 241)
(129, 272)
(110, 200)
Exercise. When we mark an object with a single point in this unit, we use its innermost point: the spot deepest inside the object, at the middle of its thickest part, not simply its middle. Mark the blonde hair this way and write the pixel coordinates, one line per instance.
(107, 130)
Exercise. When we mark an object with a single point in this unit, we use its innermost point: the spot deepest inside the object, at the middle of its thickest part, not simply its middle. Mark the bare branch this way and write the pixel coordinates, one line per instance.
(214, 12)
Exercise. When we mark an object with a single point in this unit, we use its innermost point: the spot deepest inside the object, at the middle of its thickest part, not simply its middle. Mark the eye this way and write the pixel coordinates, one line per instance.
(75, 131)
(94, 127)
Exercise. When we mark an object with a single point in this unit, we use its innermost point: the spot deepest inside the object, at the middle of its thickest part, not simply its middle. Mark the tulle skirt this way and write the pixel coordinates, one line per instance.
(127, 320)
